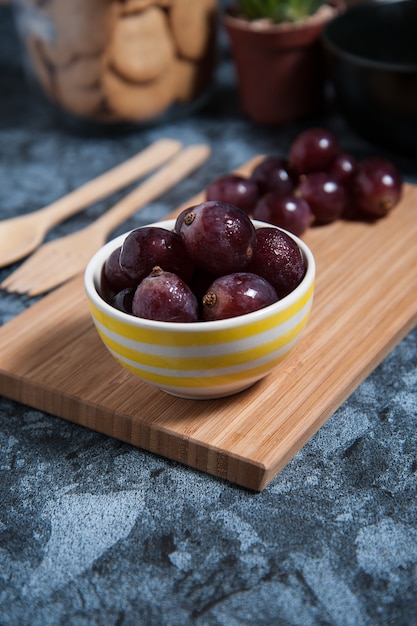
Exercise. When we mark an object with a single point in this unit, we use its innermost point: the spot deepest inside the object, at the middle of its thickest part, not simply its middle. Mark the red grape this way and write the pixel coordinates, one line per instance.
(274, 174)
(325, 194)
(290, 212)
(376, 186)
(163, 296)
(278, 259)
(343, 167)
(148, 246)
(114, 279)
(180, 217)
(122, 300)
(233, 189)
(219, 237)
(313, 150)
(237, 294)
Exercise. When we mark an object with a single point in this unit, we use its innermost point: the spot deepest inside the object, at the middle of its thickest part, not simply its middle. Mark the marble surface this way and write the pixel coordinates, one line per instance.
(94, 531)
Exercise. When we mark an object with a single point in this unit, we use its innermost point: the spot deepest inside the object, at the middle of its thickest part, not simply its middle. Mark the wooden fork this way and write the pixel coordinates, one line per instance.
(19, 236)
(57, 261)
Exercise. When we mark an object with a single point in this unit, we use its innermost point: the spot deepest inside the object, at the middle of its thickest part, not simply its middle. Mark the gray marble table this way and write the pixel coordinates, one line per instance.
(94, 531)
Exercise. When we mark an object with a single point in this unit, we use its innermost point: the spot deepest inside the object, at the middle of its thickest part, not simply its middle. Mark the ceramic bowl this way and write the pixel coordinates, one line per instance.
(371, 51)
(201, 360)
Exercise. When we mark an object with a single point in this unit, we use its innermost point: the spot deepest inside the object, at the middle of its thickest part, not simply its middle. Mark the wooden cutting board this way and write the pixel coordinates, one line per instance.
(52, 359)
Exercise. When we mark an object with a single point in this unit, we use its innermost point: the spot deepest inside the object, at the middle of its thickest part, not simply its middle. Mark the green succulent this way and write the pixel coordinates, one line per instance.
(278, 10)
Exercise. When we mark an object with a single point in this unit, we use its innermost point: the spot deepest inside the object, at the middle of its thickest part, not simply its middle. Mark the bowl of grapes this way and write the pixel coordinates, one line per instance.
(202, 306)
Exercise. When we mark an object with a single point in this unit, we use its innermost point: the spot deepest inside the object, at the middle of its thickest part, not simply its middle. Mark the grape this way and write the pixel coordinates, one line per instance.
(343, 167)
(376, 186)
(165, 297)
(278, 259)
(114, 279)
(289, 212)
(233, 189)
(180, 218)
(274, 174)
(325, 194)
(122, 300)
(313, 150)
(219, 237)
(237, 294)
(148, 246)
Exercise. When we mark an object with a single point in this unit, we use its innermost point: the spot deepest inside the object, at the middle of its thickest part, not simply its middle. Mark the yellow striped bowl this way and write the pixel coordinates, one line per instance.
(203, 359)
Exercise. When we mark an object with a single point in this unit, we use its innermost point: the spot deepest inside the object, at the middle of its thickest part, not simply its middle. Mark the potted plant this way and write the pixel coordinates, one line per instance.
(276, 47)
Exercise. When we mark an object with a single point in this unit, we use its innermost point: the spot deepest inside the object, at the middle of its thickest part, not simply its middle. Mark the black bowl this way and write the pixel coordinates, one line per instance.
(371, 52)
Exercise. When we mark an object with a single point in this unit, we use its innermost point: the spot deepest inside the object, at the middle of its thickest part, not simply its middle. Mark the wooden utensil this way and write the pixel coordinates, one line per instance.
(59, 260)
(19, 236)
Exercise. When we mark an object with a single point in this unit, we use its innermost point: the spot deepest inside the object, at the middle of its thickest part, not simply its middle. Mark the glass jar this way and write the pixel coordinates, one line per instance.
(118, 61)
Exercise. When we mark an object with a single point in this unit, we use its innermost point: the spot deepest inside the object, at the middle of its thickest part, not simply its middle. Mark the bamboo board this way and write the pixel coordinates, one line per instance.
(365, 302)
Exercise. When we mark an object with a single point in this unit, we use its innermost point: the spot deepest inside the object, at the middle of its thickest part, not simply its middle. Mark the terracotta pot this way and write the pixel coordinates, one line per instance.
(280, 67)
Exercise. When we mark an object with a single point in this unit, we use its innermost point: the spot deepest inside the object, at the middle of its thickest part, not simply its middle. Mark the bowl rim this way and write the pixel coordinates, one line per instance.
(94, 267)
(365, 61)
